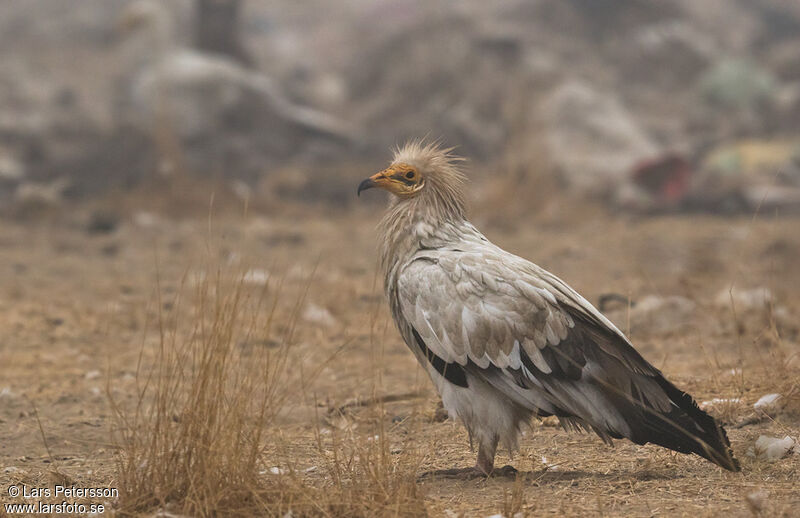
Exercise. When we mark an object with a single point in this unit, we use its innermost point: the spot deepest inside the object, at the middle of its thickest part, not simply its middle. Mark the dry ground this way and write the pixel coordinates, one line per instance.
(76, 310)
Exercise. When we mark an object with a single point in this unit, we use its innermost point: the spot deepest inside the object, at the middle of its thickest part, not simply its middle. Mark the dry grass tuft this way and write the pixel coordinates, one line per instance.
(360, 477)
(199, 438)
(194, 439)
(370, 479)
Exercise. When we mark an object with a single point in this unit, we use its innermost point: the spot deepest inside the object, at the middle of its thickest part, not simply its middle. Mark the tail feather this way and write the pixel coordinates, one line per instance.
(673, 420)
(688, 429)
(605, 396)
(685, 428)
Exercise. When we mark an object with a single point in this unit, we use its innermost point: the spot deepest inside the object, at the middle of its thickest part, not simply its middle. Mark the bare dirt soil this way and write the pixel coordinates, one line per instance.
(79, 309)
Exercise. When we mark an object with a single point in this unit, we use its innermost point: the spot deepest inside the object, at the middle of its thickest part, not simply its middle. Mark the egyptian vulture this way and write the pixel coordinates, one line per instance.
(504, 340)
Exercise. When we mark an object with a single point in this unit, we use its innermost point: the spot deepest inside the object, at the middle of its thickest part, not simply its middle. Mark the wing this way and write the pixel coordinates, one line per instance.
(531, 336)
(483, 308)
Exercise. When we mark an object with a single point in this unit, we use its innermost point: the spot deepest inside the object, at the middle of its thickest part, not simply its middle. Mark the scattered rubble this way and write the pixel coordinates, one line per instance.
(655, 185)
(592, 139)
(655, 314)
(744, 299)
(765, 408)
(145, 219)
(218, 112)
(767, 402)
(256, 276)
(49, 193)
(102, 222)
(632, 114)
(757, 501)
(772, 448)
(734, 83)
(548, 465)
(274, 470)
(11, 169)
(92, 375)
(319, 315)
(750, 175)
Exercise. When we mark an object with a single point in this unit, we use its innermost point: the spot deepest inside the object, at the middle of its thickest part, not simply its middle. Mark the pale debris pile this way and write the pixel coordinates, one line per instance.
(767, 402)
(772, 448)
(655, 314)
(609, 138)
(256, 276)
(718, 401)
(502, 80)
(319, 315)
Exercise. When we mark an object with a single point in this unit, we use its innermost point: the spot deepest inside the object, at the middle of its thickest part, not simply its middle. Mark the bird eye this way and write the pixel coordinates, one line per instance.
(410, 175)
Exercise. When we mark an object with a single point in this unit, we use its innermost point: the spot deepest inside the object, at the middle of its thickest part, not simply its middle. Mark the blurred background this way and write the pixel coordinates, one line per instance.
(645, 106)
(158, 154)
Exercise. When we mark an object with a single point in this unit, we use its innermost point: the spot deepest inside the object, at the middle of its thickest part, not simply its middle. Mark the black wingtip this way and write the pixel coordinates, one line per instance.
(712, 442)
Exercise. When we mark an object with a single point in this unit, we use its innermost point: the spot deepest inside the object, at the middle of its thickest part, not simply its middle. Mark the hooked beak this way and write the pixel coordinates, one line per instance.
(369, 183)
(376, 180)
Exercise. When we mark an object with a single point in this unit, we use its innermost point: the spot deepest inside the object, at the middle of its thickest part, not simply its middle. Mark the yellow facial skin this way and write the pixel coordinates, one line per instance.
(400, 179)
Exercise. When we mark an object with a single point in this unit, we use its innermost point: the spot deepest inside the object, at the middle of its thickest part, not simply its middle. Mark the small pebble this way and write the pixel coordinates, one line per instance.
(256, 276)
(319, 315)
(720, 401)
(766, 401)
(756, 500)
(772, 448)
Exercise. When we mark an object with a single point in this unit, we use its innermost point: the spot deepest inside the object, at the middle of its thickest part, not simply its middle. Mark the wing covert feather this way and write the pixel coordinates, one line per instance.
(485, 308)
(466, 313)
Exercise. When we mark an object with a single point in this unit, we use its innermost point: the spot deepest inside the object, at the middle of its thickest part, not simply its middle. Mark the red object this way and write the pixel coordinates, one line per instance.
(666, 177)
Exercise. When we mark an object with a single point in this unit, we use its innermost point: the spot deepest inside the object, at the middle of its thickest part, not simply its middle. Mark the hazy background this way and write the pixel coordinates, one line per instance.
(649, 106)
(171, 165)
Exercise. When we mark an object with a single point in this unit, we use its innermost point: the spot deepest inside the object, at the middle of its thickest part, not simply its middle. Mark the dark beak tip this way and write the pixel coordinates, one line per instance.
(363, 186)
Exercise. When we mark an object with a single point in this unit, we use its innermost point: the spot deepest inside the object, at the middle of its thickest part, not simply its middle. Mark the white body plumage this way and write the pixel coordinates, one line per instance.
(504, 340)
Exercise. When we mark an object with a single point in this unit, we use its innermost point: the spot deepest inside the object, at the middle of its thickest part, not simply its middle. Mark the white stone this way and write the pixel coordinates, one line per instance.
(720, 401)
(772, 448)
(145, 219)
(256, 276)
(592, 138)
(756, 298)
(318, 315)
(274, 470)
(766, 401)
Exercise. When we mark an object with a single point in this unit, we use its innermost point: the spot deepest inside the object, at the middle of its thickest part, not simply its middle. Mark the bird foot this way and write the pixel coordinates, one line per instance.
(469, 473)
(505, 471)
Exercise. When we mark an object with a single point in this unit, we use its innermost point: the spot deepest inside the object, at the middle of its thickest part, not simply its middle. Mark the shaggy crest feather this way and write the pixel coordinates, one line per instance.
(440, 168)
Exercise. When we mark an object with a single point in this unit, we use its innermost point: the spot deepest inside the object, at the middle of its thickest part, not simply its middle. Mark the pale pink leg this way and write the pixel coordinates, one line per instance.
(486, 454)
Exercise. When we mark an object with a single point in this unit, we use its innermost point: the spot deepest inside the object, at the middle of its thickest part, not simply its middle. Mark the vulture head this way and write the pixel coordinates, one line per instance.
(422, 173)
